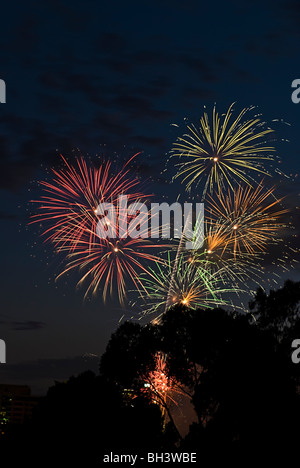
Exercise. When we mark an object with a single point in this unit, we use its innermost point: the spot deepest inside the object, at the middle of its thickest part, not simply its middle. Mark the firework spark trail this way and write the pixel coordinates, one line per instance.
(248, 218)
(111, 263)
(222, 151)
(175, 267)
(162, 387)
(191, 286)
(239, 226)
(70, 208)
(73, 196)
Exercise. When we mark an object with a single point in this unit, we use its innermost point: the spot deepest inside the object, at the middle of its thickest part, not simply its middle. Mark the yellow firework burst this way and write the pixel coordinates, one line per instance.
(222, 149)
(249, 218)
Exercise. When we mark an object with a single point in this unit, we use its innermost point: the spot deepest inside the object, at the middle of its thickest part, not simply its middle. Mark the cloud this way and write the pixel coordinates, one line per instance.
(23, 325)
(292, 10)
(137, 107)
(152, 57)
(120, 66)
(113, 124)
(110, 42)
(149, 141)
(42, 373)
(199, 93)
(202, 67)
(7, 216)
(27, 325)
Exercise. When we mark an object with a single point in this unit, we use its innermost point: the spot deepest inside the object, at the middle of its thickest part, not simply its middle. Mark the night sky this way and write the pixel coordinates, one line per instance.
(106, 78)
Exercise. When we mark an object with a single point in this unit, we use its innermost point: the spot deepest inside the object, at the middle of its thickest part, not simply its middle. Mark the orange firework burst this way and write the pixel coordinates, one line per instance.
(215, 238)
(161, 387)
(249, 218)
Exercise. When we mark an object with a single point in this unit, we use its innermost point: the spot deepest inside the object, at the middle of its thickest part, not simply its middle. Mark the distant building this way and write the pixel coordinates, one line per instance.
(16, 405)
(21, 408)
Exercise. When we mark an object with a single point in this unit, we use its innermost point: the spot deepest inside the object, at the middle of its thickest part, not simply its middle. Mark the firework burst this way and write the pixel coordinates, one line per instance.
(191, 286)
(106, 266)
(245, 220)
(69, 211)
(222, 150)
(161, 387)
(68, 208)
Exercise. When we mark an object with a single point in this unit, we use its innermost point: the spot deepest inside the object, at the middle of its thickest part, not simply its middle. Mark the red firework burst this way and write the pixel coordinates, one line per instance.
(69, 210)
(72, 197)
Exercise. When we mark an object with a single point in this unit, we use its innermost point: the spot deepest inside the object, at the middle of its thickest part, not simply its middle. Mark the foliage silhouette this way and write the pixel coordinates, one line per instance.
(236, 369)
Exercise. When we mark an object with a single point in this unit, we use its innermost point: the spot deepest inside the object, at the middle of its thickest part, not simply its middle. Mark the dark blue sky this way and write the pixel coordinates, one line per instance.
(110, 77)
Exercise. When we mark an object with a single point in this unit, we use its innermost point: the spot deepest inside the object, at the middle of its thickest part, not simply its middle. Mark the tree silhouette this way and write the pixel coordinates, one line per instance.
(130, 360)
(235, 368)
(277, 311)
(81, 420)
